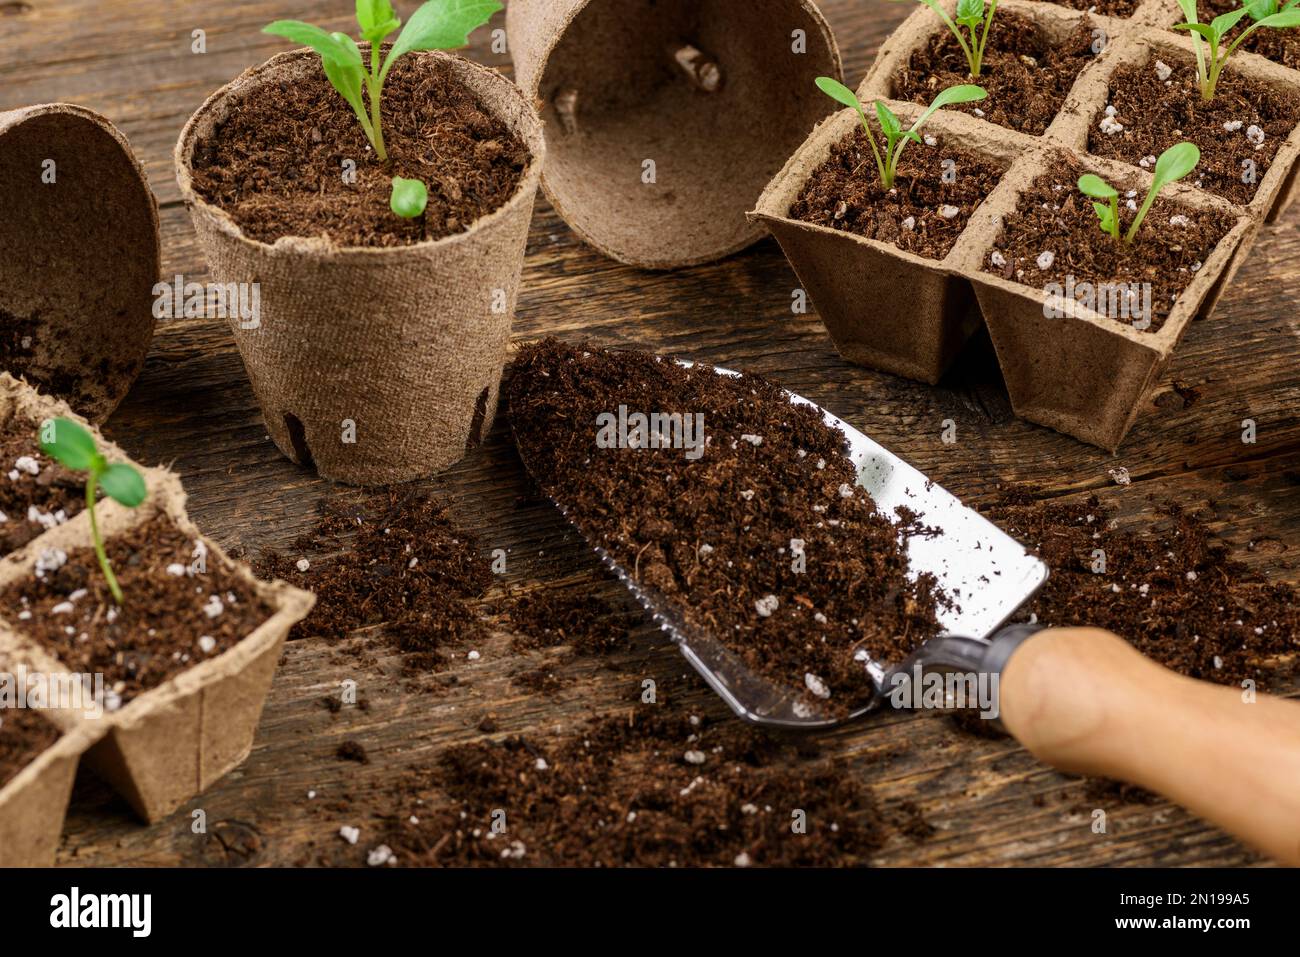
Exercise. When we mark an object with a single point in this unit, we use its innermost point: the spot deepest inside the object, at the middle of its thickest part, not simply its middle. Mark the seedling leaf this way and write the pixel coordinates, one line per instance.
(1284, 20)
(123, 484)
(377, 19)
(409, 198)
(1096, 187)
(310, 36)
(888, 121)
(1175, 163)
(73, 446)
(442, 25)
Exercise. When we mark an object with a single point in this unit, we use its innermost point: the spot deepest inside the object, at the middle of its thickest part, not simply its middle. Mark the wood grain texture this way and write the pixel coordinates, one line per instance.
(193, 408)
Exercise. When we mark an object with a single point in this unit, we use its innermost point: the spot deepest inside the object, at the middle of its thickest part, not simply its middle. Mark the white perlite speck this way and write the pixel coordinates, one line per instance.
(1120, 476)
(754, 440)
(816, 685)
(1233, 125)
(930, 140)
(350, 834)
(541, 765)
(62, 608)
(909, 223)
(846, 490)
(214, 607)
(997, 259)
(473, 656)
(207, 643)
(694, 757)
(747, 494)
(25, 463)
(1163, 70)
(1045, 259)
(1255, 135)
(766, 605)
(1109, 125)
(742, 859)
(302, 565)
(176, 569)
(948, 211)
(1179, 221)
(50, 560)
(380, 856)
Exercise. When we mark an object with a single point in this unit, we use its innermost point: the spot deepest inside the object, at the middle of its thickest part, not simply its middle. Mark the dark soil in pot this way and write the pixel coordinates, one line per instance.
(1171, 590)
(718, 536)
(276, 163)
(36, 492)
(1106, 8)
(171, 620)
(1027, 76)
(24, 735)
(1280, 46)
(1159, 104)
(921, 213)
(1054, 236)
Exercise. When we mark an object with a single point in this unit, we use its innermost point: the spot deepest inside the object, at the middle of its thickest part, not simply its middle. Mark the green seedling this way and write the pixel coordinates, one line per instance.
(896, 138)
(1212, 52)
(69, 444)
(1173, 164)
(409, 198)
(970, 14)
(436, 25)
(1260, 9)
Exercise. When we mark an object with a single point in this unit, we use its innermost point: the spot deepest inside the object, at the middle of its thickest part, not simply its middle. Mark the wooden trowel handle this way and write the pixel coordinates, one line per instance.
(1085, 701)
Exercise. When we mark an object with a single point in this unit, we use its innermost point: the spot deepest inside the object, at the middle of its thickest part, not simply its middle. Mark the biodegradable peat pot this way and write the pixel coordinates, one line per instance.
(175, 739)
(405, 344)
(1141, 51)
(884, 307)
(34, 803)
(1082, 372)
(76, 283)
(610, 81)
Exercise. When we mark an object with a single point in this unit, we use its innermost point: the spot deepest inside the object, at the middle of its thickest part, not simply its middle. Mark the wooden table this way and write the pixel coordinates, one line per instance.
(990, 801)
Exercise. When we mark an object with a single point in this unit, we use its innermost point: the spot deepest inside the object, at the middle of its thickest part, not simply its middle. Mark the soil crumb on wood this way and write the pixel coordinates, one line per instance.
(1027, 76)
(173, 616)
(392, 558)
(762, 540)
(656, 787)
(1054, 237)
(1246, 122)
(550, 618)
(921, 214)
(276, 163)
(36, 493)
(24, 735)
(1280, 46)
(1172, 591)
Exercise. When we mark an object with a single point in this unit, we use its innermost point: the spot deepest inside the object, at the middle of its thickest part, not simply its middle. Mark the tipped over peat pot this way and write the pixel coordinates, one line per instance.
(908, 303)
(664, 120)
(374, 363)
(80, 227)
(187, 660)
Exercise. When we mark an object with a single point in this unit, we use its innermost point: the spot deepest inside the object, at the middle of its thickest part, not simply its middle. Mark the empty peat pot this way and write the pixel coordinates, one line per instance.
(79, 227)
(375, 364)
(665, 120)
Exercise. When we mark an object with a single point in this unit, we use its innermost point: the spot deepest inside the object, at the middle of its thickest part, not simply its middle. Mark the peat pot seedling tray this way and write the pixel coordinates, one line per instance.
(157, 740)
(1073, 354)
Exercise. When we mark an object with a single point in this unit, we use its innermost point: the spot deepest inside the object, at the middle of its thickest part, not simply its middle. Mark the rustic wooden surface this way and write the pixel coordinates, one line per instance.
(991, 802)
